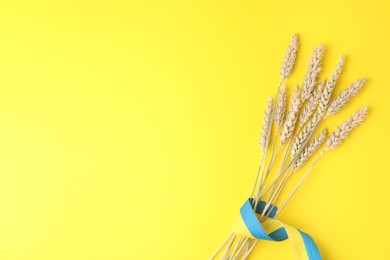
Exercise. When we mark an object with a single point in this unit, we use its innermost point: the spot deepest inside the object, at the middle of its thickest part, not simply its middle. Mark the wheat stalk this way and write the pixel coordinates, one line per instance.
(264, 140)
(279, 118)
(306, 154)
(310, 80)
(289, 58)
(342, 99)
(286, 69)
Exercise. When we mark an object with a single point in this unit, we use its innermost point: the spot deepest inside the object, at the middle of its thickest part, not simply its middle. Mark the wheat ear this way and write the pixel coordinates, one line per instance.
(292, 115)
(310, 149)
(301, 138)
(342, 99)
(280, 109)
(267, 126)
(310, 80)
(323, 105)
(344, 130)
(289, 58)
(310, 107)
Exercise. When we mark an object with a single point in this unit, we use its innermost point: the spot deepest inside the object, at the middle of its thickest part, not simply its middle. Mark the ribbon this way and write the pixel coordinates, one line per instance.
(248, 225)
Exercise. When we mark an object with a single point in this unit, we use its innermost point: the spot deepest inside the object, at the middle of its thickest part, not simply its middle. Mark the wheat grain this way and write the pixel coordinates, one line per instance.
(310, 80)
(342, 99)
(289, 58)
(267, 125)
(344, 130)
(292, 115)
(323, 105)
(309, 150)
(280, 110)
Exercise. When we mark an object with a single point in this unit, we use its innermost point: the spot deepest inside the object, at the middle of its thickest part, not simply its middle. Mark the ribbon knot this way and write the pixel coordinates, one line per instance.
(248, 225)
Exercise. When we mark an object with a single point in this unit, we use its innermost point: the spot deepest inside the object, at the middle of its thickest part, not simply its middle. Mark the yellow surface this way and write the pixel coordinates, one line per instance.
(129, 129)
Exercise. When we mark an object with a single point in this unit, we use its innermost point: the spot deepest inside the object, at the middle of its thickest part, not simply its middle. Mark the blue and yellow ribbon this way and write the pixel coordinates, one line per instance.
(248, 225)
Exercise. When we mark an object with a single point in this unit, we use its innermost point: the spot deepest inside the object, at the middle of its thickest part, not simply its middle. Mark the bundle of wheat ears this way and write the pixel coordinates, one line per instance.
(291, 135)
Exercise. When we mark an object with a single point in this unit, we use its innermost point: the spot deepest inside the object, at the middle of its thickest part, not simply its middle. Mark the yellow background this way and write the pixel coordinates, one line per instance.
(129, 129)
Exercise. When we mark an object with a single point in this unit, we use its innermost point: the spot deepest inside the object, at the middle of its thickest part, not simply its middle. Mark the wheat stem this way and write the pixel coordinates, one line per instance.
(270, 165)
(250, 250)
(242, 246)
(221, 246)
(257, 178)
(235, 247)
(226, 253)
(299, 184)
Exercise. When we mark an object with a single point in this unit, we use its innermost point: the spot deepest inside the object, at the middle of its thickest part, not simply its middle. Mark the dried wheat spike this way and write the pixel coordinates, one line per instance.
(342, 99)
(330, 86)
(309, 150)
(301, 138)
(343, 131)
(292, 115)
(280, 110)
(310, 107)
(267, 125)
(289, 58)
(314, 68)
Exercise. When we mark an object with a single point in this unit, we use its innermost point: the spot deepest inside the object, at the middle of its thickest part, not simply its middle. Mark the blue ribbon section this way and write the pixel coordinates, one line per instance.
(252, 223)
(260, 207)
(311, 247)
